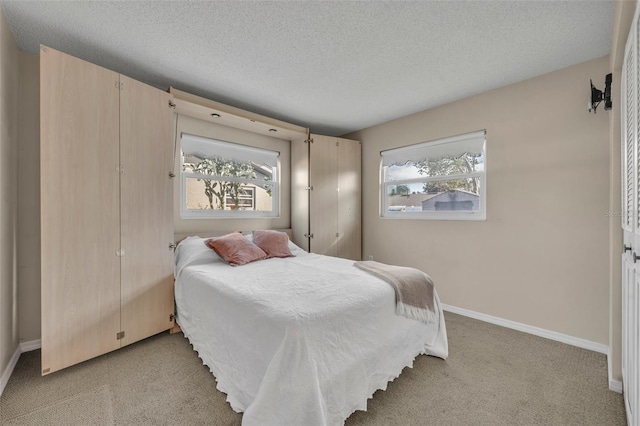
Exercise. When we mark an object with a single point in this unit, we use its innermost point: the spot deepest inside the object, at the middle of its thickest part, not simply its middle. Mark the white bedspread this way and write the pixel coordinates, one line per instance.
(297, 341)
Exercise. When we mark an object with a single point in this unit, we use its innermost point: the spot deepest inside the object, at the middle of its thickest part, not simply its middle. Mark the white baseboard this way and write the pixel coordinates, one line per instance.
(6, 374)
(541, 332)
(614, 385)
(23, 347)
(30, 345)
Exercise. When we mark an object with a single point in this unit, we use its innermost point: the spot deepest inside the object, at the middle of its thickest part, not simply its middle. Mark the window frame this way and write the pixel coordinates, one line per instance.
(479, 215)
(224, 213)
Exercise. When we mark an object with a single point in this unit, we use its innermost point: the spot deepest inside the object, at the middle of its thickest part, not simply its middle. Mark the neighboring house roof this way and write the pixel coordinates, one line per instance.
(409, 200)
(261, 171)
(447, 195)
(462, 191)
(454, 199)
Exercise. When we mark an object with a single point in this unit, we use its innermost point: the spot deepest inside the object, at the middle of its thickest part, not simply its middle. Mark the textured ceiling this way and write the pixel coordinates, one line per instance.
(331, 66)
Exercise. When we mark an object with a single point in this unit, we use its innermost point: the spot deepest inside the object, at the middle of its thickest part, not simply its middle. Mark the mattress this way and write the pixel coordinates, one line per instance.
(304, 340)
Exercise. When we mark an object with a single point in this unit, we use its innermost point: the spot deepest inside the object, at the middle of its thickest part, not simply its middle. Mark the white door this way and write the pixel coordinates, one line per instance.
(630, 121)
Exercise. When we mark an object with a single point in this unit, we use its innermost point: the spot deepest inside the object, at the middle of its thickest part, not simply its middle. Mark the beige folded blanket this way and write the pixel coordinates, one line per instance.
(414, 289)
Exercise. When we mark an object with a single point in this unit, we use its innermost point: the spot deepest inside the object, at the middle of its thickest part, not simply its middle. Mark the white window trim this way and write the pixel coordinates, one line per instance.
(479, 215)
(229, 214)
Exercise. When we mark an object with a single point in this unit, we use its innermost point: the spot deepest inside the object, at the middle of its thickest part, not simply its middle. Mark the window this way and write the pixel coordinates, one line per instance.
(443, 179)
(224, 179)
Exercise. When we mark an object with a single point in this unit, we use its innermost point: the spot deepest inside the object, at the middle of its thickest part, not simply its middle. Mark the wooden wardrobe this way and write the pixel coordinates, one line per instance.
(106, 210)
(326, 195)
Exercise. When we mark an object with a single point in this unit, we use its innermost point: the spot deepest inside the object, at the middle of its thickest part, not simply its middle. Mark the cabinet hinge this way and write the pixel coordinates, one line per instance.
(119, 85)
(172, 317)
(308, 235)
(120, 252)
(120, 335)
(119, 169)
(171, 105)
(310, 140)
(309, 188)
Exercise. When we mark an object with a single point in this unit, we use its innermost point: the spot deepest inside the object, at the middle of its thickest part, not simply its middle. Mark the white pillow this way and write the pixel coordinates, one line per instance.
(295, 250)
(193, 251)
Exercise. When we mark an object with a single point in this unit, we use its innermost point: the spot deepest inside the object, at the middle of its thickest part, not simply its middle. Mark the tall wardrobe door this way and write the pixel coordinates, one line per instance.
(300, 192)
(146, 155)
(80, 215)
(323, 199)
(349, 196)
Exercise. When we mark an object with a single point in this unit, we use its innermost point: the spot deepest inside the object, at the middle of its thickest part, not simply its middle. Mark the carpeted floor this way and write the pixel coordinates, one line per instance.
(494, 376)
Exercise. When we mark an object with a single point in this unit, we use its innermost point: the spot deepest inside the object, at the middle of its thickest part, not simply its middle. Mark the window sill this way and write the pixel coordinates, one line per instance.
(477, 217)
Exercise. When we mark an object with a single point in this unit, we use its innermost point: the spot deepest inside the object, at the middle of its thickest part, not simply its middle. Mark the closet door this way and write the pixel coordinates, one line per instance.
(349, 199)
(146, 157)
(628, 220)
(630, 119)
(80, 214)
(323, 198)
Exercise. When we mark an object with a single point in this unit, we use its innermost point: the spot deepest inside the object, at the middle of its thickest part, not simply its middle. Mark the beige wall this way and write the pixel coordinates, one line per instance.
(542, 255)
(29, 198)
(8, 193)
(203, 128)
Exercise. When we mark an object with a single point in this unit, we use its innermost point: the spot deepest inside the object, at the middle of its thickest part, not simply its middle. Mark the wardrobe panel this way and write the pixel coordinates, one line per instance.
(146, 157)
(349, 199)
(299, 191)
(80, 215)
(323, 199)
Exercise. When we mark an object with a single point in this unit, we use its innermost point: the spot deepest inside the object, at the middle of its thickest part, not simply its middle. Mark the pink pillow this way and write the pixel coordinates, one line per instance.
(235, 249)
(274, 243)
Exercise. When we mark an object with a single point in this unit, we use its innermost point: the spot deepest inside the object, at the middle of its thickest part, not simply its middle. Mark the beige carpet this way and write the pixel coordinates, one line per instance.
(87, 408)
(494, 376)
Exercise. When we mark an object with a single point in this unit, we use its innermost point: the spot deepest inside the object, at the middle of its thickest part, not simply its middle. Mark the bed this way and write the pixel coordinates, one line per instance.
(304, 340)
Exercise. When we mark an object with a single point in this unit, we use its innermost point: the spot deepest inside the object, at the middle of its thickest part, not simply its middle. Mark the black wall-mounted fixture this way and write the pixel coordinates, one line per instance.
(597, 96)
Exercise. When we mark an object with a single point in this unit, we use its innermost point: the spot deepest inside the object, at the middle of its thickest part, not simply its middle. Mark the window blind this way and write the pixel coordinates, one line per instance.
(211, 148)
(453, 146)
